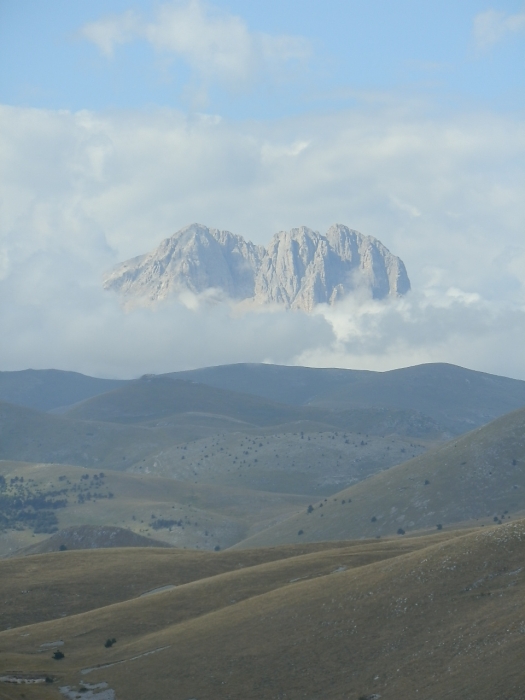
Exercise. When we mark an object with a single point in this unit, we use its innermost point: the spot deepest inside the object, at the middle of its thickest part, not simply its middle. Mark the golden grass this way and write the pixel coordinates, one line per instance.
(433, 617)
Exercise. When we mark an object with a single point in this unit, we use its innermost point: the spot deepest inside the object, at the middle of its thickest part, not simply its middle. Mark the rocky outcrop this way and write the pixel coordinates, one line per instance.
(299, 269)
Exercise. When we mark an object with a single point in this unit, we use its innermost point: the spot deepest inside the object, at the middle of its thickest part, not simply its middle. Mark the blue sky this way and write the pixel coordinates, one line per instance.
(122, 121)
(426, 48)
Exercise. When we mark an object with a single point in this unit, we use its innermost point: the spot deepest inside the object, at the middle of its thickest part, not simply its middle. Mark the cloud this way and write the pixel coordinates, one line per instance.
(112, 31)
(83, 191)
(493, 26)
(217, 46)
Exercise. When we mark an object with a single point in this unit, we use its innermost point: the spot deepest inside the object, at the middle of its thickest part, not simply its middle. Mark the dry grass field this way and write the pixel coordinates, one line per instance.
(434, 617)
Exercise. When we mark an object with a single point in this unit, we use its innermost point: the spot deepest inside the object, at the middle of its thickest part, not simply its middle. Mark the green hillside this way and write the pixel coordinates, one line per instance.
(477, 478)
(39, 499)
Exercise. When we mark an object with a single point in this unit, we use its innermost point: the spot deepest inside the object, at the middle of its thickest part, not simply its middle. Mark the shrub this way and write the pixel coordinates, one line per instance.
(310, 508)
(109, 642)
(301, 532)
(439, 526)
(400, 531)
(373, 519)
(217, 548)
(57, 655)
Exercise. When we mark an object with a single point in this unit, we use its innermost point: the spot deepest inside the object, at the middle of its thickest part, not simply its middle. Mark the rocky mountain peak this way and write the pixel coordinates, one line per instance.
(299, 269)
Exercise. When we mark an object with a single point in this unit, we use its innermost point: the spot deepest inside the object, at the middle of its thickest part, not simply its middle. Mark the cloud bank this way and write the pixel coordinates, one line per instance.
(83, 191)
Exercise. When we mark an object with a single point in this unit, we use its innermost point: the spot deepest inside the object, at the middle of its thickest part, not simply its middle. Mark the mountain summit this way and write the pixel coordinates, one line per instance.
(299, 269)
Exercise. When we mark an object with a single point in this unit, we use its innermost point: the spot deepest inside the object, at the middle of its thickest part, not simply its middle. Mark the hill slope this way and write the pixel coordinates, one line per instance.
(444, 621)
(478, 476)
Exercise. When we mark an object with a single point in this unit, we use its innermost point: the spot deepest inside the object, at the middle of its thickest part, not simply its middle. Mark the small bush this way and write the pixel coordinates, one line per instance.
(301, 532)
(373, 519)
(439, 526)
(400, 531)
(62, 548)
(217, 548)
(57, 655)
(310, 508)
(109, 642)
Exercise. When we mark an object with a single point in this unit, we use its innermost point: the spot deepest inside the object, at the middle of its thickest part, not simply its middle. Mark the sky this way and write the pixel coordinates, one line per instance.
(122, 122)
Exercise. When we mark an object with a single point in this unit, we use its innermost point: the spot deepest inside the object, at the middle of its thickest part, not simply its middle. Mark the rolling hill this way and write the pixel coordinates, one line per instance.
(442, 620)
(458, 399)
(39, 499)
(476, 478)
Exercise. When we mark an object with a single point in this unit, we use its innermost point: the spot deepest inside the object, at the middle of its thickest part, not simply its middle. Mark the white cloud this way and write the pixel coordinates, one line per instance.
(217, 46)
(111, 31)
(84, 191)
(493, 26)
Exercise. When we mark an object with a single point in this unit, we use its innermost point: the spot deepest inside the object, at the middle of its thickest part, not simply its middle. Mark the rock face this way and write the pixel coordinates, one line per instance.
(299, 269)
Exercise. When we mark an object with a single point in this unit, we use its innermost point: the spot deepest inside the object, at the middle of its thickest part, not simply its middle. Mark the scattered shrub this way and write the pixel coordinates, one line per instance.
(62, 548)
(57, 655)
(301, 532)
(310, 508)
(439, 526)
(400, 531)
(373, 519)
(109, 642)
(217, 548)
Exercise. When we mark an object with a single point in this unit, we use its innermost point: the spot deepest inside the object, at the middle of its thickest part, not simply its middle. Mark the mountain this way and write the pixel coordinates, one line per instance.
(458, 399)
(299, 269)
(477, 478)
(51, 389)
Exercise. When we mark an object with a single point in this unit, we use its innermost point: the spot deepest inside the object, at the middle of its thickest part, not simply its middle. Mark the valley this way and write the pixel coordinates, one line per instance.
(196, 536)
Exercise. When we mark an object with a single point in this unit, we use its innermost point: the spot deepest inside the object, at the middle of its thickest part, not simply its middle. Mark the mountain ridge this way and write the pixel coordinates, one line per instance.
(299, 269)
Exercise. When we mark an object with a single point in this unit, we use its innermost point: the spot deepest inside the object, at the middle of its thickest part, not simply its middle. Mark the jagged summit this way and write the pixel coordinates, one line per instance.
(299, 269)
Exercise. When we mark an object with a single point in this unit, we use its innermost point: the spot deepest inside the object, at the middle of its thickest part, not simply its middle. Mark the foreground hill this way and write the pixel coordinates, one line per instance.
(443, 621)
(479, 476)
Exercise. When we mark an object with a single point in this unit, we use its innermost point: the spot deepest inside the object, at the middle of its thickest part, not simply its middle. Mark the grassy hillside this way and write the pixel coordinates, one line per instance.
(32, 436)
(478, 478)
(442, 621)
(90, 537)
(305, 462)
(75, 582)
(38, 499)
